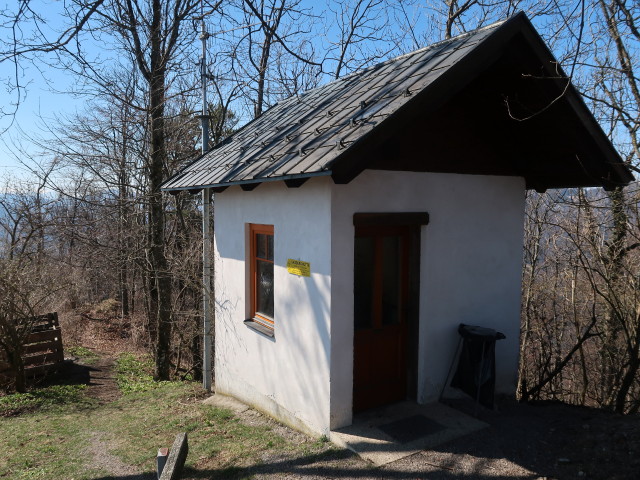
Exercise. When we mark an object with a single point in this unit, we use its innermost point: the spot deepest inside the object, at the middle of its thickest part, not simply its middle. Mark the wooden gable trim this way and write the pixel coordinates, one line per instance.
(354, 160)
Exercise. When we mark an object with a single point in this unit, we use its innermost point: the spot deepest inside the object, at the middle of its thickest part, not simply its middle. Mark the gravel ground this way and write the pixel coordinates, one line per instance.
(545, 441)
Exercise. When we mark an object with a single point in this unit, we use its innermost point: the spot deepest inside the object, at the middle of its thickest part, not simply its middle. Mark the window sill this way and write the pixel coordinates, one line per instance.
(258, 327)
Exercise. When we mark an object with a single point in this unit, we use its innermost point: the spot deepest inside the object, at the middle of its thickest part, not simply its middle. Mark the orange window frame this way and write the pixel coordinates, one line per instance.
(254, 231)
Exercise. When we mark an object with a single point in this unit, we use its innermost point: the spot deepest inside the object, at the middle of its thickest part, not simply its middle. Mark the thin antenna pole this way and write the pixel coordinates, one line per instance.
(206, 221)
(203, 80)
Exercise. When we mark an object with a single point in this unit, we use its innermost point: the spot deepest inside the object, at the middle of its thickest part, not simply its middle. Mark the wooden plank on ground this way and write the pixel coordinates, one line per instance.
(177, 457)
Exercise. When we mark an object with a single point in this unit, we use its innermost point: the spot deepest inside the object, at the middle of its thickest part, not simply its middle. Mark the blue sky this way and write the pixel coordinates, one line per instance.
(38, 102)
(44, 98)
(37, 108)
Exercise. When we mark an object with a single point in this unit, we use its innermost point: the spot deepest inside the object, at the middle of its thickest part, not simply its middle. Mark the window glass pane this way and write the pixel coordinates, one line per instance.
(261, 245)
(390, 280)
(363, 282)
(264, 288)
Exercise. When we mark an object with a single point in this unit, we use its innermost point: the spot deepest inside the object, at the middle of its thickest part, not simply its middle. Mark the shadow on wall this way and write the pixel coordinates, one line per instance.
(224, 314)
(316, 357)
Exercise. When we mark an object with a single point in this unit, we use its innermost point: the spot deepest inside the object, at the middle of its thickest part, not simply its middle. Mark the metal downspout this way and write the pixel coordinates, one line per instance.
(206, 289)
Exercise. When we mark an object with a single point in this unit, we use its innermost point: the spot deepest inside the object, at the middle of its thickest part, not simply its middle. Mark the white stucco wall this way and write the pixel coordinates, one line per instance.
(470, 271)
(288, 375)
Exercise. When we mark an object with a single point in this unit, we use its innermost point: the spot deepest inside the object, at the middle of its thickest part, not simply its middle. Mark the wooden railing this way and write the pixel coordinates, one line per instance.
(43, 347)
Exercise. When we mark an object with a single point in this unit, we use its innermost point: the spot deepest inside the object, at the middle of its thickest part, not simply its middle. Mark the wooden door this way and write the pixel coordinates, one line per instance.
(381, 294)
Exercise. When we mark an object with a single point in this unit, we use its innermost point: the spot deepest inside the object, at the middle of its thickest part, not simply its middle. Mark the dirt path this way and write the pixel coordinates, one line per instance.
(98, 452)
(102, 380)
(103, 387)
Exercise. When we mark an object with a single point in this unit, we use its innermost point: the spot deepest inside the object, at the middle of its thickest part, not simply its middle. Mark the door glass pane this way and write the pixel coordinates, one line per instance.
(363, 282)
(264, 288)
(391, 280)
(264, 246)
(270, 247)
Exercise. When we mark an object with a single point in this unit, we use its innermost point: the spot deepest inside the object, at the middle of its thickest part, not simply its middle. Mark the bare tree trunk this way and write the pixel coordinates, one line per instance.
(271, 26)
(161, 295)
(620, 405)
(123, 223)
(17, 366)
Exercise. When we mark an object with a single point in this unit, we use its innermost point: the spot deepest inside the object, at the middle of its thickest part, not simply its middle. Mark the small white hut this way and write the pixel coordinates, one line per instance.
(358, 224)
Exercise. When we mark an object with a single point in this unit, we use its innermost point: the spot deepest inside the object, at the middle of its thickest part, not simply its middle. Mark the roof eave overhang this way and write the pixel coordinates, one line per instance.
(257, 181)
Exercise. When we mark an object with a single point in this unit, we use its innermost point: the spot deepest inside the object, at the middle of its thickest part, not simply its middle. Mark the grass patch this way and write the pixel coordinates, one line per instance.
(45, 445)
(63, 441)
(88, 357)
(108, 306)
(135, 374)
(42, 398)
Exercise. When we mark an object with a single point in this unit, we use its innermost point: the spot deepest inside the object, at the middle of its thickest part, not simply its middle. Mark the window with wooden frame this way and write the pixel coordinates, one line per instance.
(261, 274)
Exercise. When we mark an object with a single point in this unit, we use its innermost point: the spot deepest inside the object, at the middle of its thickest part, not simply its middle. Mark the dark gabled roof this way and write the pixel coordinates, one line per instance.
(492, 101)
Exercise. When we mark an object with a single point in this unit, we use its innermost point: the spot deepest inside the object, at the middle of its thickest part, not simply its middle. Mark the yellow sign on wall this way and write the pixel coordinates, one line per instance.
(298, 267)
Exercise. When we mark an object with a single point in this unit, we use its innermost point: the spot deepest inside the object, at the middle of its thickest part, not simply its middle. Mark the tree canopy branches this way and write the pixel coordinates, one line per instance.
(136, 64)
